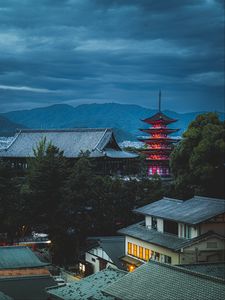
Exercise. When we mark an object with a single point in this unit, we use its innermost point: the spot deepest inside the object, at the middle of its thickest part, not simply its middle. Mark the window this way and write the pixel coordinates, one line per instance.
(170, 227)
(93, 259)
(155, 255)
(134, 250)
(141, 252)
(81, 267)
(167, 259)
(154, 223)
(129, 250)
(185, 231)
(147, 254)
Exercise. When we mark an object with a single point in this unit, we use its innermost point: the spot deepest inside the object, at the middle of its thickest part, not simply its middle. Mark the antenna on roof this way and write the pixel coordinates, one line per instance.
(160, 100)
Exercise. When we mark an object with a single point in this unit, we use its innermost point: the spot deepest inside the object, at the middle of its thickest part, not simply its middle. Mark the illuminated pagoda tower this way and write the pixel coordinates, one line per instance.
(158, 145)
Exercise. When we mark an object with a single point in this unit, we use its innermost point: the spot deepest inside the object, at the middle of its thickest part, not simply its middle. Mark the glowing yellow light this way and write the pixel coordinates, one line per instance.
(131, 268)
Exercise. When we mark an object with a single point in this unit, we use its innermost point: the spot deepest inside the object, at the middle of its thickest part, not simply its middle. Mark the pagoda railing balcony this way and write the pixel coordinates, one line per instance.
(157, 157)
(159, 148)
(159, 136)
(158, 126)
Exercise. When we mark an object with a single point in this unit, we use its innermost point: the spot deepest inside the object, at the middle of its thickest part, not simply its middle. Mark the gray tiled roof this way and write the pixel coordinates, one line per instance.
(192, 211)
(88, 288)
(114, 246)
(167, 240)
(216, 269)
(71, 141)
(15, 257)
(154, 281)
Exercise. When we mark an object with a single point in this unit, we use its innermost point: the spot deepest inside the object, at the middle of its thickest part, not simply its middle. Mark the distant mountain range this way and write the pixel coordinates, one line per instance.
(124, 119)
(8, 127)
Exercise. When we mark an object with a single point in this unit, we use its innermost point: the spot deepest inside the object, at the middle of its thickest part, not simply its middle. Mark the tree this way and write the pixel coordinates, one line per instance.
(10, 201)
(198, 160)
(47, 172)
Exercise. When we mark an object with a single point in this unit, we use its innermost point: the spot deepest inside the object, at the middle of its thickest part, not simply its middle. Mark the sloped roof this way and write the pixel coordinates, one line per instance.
(163, 239)
(154, 280)
(16, 257)
(216, 269)
(114, 246)
(71, 141)
(89, 287)
(159, 116)
(193, 211)
(141, 232)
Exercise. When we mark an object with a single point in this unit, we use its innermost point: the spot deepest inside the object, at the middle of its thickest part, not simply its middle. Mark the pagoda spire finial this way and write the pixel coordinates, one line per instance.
(160, 100)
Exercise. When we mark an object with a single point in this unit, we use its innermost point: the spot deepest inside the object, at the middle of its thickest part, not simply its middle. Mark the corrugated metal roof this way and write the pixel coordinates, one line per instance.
(156, 281)
(71, 141)
(192, 211)
(12, 257)
(88, 288)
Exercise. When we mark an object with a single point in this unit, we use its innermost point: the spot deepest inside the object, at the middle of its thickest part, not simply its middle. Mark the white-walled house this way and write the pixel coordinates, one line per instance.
(177, 232)
(103, 253)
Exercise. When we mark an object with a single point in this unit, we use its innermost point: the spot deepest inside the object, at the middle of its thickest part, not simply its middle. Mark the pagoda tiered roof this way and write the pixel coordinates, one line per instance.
(156, 140)
(153, 130)
(159, 144)
(159, 117)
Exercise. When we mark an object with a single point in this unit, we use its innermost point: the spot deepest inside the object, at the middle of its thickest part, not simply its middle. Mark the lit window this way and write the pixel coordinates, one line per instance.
(147, 254)
(141, 252)
(81, 267)
(134, 250)
(129, 250)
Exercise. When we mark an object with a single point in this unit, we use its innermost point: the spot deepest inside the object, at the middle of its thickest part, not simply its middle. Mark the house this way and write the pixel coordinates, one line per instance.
(99, 143)
(102, 253)
(88, 288)
(177, 232)
(22, 275)
(154, 280)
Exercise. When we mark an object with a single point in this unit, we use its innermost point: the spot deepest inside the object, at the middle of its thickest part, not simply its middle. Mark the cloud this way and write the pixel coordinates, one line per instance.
(25, 88)
(52, 51)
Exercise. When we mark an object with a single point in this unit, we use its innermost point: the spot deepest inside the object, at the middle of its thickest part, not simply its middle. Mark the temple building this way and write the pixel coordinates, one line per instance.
(98, 143)
(159, 145)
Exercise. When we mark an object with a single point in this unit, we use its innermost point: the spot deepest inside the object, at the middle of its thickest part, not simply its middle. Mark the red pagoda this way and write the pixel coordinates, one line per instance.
(159, 145)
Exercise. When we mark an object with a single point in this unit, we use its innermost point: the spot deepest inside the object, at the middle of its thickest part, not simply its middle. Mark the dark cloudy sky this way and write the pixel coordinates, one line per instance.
(85, 51)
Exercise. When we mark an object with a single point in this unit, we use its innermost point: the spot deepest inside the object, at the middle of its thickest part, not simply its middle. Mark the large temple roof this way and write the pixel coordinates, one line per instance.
(159, 117)
(98, 141)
